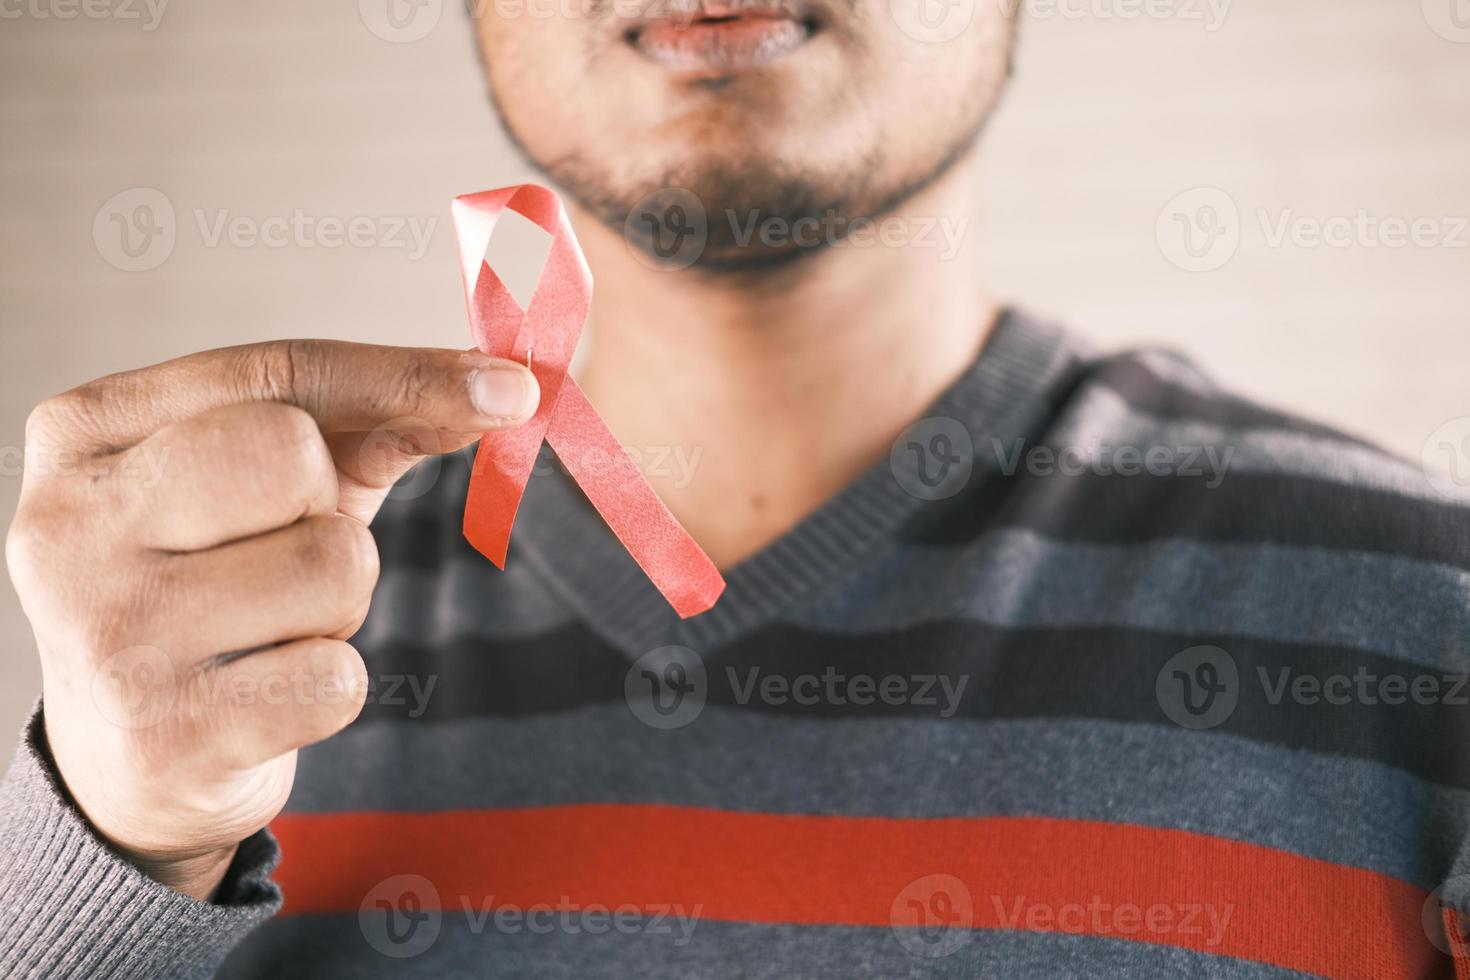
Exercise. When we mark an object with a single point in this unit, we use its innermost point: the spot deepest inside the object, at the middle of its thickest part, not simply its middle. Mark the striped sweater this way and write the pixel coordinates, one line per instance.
(1103, 672)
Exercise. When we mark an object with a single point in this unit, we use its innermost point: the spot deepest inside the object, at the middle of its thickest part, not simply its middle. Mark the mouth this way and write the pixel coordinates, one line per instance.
(719, 36)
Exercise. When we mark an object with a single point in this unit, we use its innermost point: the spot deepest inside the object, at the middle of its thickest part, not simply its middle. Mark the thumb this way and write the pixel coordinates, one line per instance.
(370, 463)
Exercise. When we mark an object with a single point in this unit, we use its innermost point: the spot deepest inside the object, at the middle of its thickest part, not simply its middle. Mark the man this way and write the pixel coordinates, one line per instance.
(1031, 663)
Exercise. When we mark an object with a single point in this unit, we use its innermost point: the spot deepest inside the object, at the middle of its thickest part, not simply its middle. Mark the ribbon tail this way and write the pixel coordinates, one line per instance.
(503, 465)
(592, 455)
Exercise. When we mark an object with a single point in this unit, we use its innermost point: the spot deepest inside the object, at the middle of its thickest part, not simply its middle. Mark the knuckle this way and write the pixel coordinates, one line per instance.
(52, 425)
(291, 438)
(56, 420)
(341, 685)
(345, 549)
(290, 371)
(287, 424)
(54, 414)
(26, 545)
(41, 423)
(44, 554)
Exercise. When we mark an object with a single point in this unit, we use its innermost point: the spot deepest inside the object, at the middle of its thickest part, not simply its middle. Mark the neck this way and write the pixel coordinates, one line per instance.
(751, 400)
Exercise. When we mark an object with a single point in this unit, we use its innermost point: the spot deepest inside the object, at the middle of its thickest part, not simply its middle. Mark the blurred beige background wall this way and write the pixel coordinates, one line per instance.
(1155, 175)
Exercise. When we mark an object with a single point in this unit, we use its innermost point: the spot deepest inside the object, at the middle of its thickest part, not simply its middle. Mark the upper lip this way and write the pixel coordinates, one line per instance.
(685, 12)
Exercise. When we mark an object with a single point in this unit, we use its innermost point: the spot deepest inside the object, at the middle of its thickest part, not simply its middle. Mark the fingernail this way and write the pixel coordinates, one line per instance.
(504, 392)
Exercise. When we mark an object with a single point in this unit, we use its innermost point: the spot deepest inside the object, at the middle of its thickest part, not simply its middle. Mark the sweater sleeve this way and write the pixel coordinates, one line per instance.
(72, 908)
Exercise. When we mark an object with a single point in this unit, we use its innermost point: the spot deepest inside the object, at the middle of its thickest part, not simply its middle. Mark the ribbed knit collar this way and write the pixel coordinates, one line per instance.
(1002, 395)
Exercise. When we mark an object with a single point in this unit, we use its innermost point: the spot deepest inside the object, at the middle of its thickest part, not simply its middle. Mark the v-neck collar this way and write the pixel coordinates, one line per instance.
(1000, 396)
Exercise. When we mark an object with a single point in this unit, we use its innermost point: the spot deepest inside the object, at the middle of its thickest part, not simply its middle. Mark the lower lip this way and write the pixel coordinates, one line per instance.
(705, 46)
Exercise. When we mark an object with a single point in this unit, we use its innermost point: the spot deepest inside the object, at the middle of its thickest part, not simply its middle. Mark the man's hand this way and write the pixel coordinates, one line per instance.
(191, 548)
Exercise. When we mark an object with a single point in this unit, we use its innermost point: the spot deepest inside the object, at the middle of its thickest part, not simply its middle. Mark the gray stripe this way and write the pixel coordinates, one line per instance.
(1382, 819)
(333, 947)
(1019, 579)
(1101, 415)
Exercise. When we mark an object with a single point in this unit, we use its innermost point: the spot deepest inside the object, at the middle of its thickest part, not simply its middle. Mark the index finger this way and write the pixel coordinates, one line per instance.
(345, 386)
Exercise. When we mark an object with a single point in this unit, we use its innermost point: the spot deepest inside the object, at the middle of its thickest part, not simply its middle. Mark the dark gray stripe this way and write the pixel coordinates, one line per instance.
(334, 947)
(1245, 508)
(1382, 819)
(1324, 699)
(467, 597)
(1019, 579)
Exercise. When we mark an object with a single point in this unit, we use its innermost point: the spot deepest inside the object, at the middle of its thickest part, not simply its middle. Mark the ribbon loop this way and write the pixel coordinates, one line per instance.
(551, 325)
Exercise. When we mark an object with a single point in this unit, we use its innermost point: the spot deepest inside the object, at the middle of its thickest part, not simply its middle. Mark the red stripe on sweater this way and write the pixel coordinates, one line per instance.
(1457, 940)
(1074, 876)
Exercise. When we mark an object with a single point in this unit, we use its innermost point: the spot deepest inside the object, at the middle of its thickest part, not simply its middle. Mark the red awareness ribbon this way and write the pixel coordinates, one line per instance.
(546, 334)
